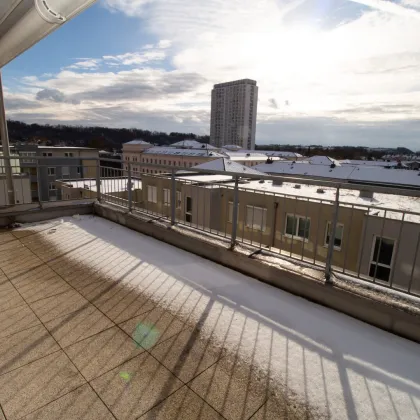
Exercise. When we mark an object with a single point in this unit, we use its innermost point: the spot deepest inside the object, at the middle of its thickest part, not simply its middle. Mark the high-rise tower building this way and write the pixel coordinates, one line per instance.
(234, 113)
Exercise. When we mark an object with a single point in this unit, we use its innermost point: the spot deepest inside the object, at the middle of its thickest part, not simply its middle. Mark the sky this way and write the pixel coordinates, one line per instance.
(331, 72)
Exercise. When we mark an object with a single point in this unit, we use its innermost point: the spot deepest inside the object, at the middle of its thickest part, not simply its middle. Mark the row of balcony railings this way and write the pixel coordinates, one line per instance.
(366, 232)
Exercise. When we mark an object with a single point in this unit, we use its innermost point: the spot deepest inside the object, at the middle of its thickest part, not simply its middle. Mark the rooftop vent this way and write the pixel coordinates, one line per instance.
(248, 154)
(332, 166)
(366, 194)
(298, 186)
(320, 191)
(277, 182)
(261, 181)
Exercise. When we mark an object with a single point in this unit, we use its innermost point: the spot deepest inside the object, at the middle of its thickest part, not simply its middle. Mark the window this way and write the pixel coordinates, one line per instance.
(65, 171)
(28, 154)
(230, 211)
(338, 235)
(68, 154)
(381, 259)
(78, 170)
(51, 171)
(178, 199)
(134, 159)
(188, 210)
(256, 218)
(51, 186)
(151, 194)
(166, 197)
(47, 154)
(298, 226)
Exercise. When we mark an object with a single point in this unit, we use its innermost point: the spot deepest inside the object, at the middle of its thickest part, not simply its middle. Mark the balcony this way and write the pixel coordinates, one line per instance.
(101, 321)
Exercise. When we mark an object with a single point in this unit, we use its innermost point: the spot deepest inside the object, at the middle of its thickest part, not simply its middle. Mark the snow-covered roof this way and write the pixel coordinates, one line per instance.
(181, 152)
(281, 154)
(227, 165)
(373, 163)
(351, 197)
(323, 160)
(232, 147)
(108, 185)
(246, 155)
(138, 141)
(345, 173)
(192, 144)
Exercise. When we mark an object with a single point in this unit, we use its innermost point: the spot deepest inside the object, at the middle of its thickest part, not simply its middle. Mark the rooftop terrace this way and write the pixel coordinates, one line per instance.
(100, 322)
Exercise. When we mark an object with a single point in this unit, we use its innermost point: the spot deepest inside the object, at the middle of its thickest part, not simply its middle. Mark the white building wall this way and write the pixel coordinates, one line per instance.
(22, 191)
(234, 114)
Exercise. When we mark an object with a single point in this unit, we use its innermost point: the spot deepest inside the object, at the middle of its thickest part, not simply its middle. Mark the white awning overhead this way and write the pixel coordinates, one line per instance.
(25, 22)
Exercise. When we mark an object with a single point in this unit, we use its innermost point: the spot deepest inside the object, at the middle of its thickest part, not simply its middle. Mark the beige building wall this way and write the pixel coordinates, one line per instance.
(274, 235)
(404, 254)
(90, 167)
(143, 162)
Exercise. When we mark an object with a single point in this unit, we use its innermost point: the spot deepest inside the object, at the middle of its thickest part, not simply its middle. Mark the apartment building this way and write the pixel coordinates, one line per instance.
(59, 163)
(295, 219)
(142, 161)
(234, 114)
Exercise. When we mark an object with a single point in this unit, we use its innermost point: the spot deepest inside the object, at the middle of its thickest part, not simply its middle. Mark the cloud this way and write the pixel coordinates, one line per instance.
(90, 64)
(130, 59)
(129, 7)
(349, 70)
(54, 95)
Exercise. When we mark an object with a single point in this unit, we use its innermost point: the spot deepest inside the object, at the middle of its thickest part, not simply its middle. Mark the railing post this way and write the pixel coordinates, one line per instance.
(38, 182)
(235, 213)
(130, 189)
(333, 229)
(173, 198)
(98, 180)
(4, 137)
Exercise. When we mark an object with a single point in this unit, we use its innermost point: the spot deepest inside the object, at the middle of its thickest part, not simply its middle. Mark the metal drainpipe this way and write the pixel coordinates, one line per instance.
(6, 149)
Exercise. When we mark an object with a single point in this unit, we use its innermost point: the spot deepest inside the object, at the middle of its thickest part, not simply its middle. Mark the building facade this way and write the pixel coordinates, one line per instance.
(378, 244)
(60, 163)
(234, 114)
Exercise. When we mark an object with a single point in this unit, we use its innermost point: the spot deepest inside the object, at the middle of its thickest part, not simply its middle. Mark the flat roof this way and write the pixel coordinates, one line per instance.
(181, 152)
(108, 185)
(350, 197)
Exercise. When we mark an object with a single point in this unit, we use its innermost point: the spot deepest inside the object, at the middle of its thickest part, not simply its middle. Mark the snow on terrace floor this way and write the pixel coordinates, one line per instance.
(339, 367)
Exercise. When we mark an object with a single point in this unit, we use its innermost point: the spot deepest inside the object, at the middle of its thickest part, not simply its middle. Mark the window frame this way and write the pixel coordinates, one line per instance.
(53, 184)
(53, 172)
(263, 219)
(178, 200)
(152, 193)
(327, 231)
(295, 235)
(166, 197)
(378, 264)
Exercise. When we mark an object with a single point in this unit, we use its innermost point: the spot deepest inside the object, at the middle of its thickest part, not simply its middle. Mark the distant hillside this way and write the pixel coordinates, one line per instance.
(97, 137)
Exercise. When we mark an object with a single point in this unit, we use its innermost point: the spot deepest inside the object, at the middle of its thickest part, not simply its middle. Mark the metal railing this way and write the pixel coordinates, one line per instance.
(333, 226)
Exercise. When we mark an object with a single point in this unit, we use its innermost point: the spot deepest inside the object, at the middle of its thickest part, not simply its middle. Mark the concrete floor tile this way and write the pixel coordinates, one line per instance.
(9, 297)
(182, 404)
(122, 303)
(10, 245)
(24, 347)
(17, 319)
(136, 386)
(187, 354)
(6, 237)
(27, 261)
(42, 284)
(102, 352)
(233, 388)
(36, 384)
(152, 328)
(274, 410)
(78, 325)
(59, 305)
(80, 404)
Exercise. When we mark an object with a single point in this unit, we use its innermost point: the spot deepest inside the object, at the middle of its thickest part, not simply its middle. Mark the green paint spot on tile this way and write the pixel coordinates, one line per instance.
(126, 376)
(145, 335)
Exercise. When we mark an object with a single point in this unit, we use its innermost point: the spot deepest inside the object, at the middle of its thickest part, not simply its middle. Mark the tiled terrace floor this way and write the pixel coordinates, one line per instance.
(112, 326)
(80, 343)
